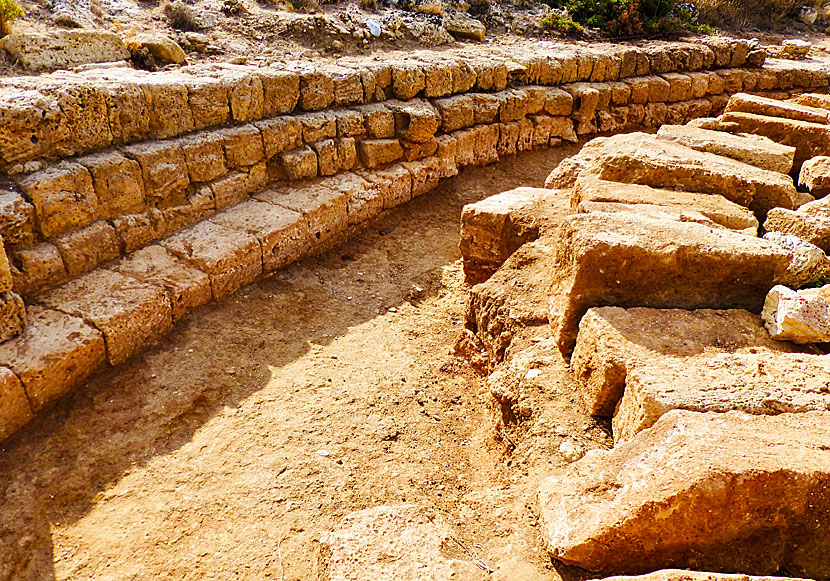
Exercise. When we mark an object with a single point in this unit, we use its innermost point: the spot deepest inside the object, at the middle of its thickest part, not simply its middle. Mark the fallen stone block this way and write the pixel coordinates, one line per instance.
(54, 355)
(63, 48)
(12, 315)
(186, 286)
(492, 229)
(808, 264)
(812, 227)
(734, 492)
(815, 176)
(809, 139)
(817, 100)
(746, 382)
(590, 190)
(685, 575)
(15, 411)
(629, 261)
(798, 316)
(613, 341)
(744, 103)
(395, 543)
(755, 150)
(643, 159)
(130, 314)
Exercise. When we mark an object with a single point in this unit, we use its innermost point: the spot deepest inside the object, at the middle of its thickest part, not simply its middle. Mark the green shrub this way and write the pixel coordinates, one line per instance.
(9, 11)
(560, 23)
(621, 18)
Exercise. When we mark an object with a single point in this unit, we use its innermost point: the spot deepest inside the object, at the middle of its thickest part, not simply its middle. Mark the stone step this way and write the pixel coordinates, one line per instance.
(613, 342)
(743, 103)
(629, 260)
(754, 383)
(716, 492)
(755, 150)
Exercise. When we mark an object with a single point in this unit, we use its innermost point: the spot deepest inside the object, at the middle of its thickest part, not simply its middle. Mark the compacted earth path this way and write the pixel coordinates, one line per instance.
(232, 445)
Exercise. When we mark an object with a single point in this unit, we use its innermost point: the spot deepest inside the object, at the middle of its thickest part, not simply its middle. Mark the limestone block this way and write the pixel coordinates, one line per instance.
(136, 230)
(809, 139)
(719, 210)
(280, 91)
(684, 575)
(347, 86)
(208, 98)
(324, 209)
(317, 126)
(491, 74)
(379, 120)
(54, 355)
(718, 103)
(486, 108)
(813, 227)
(299, 164)
(6, 281)
(677, 113)
(631, 260)
(620, 93)
(612, 342)
(130, 314)
(282, 233)
(36, 268)
(585, 99)
(700, 84)
(760, 479)
(167, 106)
(513, 105)
(680, 86)
(63, 48)
(163, 168)
(563, 127)
(246, 96)
(755, 150)
(659, 89)
(636, 116)
(465, 141)
(535, 100)
(558, 102)
(15, 411)
(186, 286)
(798, 316)
(280, 134)
(744, 103)
(346, 152)
(393, 182)
(486, 140)
(63, 197)
(413, 151)
(437, 78)
(394, 543)
(733, 80)
(492, 230)
(316, 89)
(541, 129)
(349, 123)
(808, 262)
(525, 140)
(231, 258)
(456, 112)
(815, 176)
(327, 162)
(17, 219)
(508, 138)
(204, 156)
(816, 100)
(364, 200)
(377, 152)
(243, 146)
(446, 154)
(408, 79)
(416, 121)
(463, 77)
(85, 248)
(426, 173)
(227, 191)
(612, 120)
(118, 183)
(12, 316)
(639, 89)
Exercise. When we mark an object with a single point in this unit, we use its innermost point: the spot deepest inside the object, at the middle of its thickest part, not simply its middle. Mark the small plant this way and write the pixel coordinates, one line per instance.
(181, 16)
(368, 4)
(303, 5)
(561, 23)
(9, 11)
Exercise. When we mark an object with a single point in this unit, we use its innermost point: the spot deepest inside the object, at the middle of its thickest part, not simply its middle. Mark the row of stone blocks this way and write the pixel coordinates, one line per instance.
(72, 113)
(77, 213)
(720, 462)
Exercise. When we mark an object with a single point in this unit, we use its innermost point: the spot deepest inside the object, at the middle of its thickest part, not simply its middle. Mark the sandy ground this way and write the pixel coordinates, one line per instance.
(229, 448)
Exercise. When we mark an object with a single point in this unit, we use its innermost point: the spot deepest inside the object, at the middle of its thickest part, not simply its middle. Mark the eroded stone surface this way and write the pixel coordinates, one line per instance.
(798, 316)
(64, 48)
(815, 176)
(744, 103)
(705, 491)
(811, 225)
(15, 411)
(808, 264)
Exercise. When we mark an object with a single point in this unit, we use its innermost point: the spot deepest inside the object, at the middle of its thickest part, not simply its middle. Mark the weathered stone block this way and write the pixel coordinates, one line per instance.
(208, 100)
(280, 91)
(317, 126)
(204, 156)
(323, 208)
(54, 355)
(558, 102)
(63, 197)
(814, 227)
(416, 121)
(316, 89)
(798, 316)
(299, 164)
(187, 287)
(118, 183)
(282, 233)
(680, 86)
(815, 176)
(63, 49)
(136, 230)
(280, 134)
(130, 314)
(164, 169)
(456, 112)
(15, 411)
(486, 109)
(486, 140)
(413, 151)
(85, 248)
(377, 152)
(426, 174)
(231, 258)
(364, 201)
(749, 489)
(12, 316)
(379, 120)
(37, 268)
(167, 106)
(349, 123)
(243, 146)
(744, 103)
(629, 260)
(393, 182)
(408, 79)
(17, 219)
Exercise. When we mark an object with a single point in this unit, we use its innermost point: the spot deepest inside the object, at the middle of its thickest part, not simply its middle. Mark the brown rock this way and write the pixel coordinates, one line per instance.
(243, 146)
(744, 103)
(231, 258)
(734, 491)
(815, 176)
(84, 249)
(130, 314)
(118, 183)
(63, 197)
(299, 164)
(349, 123)
(408, 79)
(15, 411)
(136, 230)
(629, 260)
(17, 219)
(280, 91)
(379, 120)
(37, 268)
(186, 286)
(809, 139)
(12, 316)
(416, 121)
(413, 151)
(54, 355)
(486, 108)
(377, 152)
(204, 156)
(456, 112)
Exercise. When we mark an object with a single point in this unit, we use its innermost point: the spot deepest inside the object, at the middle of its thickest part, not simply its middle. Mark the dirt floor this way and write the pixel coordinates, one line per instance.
(228, 449)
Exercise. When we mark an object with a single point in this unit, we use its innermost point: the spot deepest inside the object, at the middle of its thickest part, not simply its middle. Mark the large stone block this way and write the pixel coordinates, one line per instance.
(118, 183)
(316, 89)
(63, 197)
(733, 492)
(813, 227)
(280, 91)
(204, 156)
(456, 112)
(408, 79)
(17, 219)
(12, 315)
(15, 411)
(809, 139)
(299, 164)
(164, 170)
(628, 260)
(486, 108)
(744, 103)
(231, 258)
(416, 121)
(130, 314)
(37, 268)
(377, 152)
(63, 49)
(85, 248)
(815, 176)
(208, 100)
(755, 150)
(589, 190)
(54, 355)
(394, 183)
(243, 146)
(187, 287)
(136, 230)
(280, 134)
(167, 106)
(613, 342)
(379, 120)
(282, 233)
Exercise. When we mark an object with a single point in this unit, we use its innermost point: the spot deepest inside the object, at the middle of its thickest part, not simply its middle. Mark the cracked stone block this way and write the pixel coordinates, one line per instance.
(136, 230)
(280, 134)
(84, 249)
(204, 156)
(12, 316)
(15, 411)
(243, 146)
(394, 183)
(299, 164)
(118, 183)
(164, 169)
